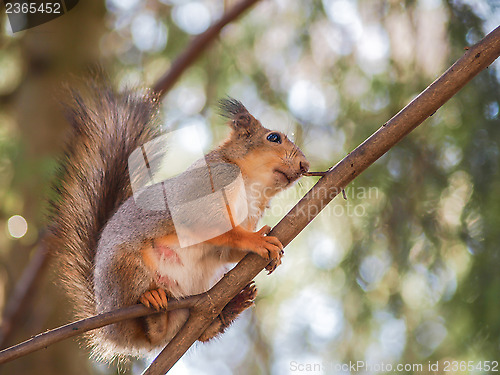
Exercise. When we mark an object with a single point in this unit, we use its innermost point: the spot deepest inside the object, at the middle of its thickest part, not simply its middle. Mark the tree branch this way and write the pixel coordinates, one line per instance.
(429, 101)
(23, 290)
(197, 46)
(45, 339)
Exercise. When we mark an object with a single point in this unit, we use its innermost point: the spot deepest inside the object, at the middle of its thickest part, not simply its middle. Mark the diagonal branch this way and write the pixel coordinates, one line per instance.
(197, 46)
(429, 101)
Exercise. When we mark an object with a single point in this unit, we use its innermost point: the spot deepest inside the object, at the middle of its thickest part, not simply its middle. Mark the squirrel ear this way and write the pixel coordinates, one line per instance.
(235, 111)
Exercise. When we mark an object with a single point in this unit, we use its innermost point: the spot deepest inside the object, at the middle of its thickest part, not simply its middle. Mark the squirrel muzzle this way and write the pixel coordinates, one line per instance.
(288, 174)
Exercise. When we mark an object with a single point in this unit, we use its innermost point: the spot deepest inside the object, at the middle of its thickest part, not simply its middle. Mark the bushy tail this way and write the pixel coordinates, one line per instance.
(94, 179)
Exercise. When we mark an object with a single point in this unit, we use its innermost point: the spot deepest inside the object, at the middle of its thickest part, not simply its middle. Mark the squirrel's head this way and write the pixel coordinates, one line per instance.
(263, 155)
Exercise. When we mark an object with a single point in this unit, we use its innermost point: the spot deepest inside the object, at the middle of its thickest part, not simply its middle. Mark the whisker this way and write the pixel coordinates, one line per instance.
(287, 156)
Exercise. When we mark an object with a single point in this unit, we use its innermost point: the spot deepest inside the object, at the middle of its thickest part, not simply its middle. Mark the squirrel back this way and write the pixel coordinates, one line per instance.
(106, 128)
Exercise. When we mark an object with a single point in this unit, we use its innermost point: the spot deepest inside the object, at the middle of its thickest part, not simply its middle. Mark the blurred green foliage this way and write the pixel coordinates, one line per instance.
(404, 271)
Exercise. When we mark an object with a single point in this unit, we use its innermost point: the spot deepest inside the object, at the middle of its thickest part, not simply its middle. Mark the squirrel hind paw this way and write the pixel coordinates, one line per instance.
(156, 298)
(243, 299)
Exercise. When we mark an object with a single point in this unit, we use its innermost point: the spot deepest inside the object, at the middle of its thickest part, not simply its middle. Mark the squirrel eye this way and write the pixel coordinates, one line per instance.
(274, 137)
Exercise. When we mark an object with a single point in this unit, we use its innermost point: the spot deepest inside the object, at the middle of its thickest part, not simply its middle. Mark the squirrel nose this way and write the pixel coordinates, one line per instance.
(304, 166)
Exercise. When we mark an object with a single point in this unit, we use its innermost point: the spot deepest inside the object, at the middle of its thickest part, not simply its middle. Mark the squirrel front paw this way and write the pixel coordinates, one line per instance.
(275, 261)
(156, 298)
(268, 247)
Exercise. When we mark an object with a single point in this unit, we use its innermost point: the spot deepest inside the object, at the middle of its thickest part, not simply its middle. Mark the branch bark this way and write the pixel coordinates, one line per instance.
(45, 339)
(429, 101)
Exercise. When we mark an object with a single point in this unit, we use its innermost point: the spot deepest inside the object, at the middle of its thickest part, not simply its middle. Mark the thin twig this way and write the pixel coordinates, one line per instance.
(314, 174)
(45, 339)
(429, 101)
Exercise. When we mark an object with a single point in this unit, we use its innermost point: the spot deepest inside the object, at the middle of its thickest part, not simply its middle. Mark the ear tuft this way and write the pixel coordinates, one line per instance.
(241, 119)
(231, 108)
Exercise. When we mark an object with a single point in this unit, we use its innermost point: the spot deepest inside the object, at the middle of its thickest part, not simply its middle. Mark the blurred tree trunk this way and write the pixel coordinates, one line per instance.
(66, 44)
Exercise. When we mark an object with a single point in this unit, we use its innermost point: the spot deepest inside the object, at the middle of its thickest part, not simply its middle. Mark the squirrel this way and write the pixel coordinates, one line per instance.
(113, 252)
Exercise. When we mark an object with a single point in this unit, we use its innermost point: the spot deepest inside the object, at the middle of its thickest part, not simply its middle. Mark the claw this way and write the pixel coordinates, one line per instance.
(156, 298)
(271, 267)
(144, 301)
